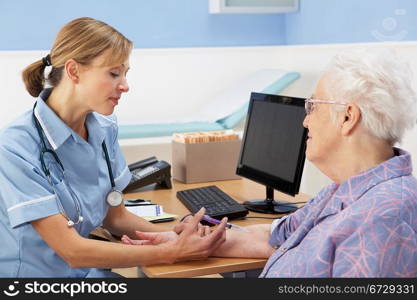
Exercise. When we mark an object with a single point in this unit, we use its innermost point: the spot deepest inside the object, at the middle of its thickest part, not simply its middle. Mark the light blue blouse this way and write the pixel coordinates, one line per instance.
(363, 227)
(26, 195)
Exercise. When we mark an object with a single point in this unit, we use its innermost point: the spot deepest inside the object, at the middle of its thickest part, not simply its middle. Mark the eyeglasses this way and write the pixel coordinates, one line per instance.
(309, 104)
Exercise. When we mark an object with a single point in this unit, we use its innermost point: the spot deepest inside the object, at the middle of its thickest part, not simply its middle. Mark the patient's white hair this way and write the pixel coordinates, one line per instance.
(379, 82)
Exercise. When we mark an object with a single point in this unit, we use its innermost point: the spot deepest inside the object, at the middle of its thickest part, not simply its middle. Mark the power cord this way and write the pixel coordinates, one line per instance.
(272, 218)
(260, 218)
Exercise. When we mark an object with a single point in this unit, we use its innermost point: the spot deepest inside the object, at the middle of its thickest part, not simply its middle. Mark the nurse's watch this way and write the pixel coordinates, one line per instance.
(115, 198)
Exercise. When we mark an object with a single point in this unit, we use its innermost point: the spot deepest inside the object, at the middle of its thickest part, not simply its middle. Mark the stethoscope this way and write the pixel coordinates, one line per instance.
(114, 197)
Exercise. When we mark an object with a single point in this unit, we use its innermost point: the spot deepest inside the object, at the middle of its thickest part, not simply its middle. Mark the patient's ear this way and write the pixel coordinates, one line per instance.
(351, 119)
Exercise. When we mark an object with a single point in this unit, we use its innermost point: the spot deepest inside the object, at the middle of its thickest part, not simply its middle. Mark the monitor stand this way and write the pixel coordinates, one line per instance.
(269, 205)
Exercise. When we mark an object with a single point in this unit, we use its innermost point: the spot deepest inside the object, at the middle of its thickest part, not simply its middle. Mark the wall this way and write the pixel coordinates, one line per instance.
(339, 21)
(32, 25)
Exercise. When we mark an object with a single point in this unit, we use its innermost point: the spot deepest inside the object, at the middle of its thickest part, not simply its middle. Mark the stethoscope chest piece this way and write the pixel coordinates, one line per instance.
(114, 198)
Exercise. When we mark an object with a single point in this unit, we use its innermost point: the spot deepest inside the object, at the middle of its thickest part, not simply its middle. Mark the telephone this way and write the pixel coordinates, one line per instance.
(148, 171)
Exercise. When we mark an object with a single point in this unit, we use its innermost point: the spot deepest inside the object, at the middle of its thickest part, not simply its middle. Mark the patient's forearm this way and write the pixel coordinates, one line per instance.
(251, 244)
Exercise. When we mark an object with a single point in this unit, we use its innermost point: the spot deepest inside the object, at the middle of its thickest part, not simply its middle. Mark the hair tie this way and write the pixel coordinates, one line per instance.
(47, 61)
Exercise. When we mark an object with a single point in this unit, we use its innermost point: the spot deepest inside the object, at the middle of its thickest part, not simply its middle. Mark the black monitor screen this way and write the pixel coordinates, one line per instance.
(274, 142)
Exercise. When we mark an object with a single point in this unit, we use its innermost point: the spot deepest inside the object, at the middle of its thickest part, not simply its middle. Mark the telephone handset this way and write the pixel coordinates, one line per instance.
(148, 171)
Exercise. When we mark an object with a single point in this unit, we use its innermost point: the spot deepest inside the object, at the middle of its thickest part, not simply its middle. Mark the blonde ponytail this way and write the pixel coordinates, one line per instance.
(33, 78)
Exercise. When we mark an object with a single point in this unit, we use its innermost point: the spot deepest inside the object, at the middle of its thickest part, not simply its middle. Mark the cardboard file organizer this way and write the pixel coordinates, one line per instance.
(205, 156)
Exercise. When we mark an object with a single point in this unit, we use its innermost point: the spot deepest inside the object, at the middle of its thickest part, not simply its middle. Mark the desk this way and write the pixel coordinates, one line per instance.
(240, 190)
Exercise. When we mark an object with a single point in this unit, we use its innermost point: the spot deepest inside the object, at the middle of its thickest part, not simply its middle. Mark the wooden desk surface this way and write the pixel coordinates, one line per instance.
(241, 190)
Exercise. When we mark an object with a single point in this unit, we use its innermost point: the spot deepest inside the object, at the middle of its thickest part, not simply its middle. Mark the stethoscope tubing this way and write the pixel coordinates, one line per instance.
(44, 149)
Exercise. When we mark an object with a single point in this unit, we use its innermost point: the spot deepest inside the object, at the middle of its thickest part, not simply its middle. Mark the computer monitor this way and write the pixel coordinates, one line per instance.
(273, 149)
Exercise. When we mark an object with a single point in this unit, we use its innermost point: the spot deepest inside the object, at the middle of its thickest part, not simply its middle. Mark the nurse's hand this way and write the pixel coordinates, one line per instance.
(203, 229)
(156, 238)
(150, 238)
(191, 243)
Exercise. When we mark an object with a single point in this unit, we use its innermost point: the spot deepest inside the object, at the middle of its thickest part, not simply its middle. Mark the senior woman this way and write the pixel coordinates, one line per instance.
(364, 224)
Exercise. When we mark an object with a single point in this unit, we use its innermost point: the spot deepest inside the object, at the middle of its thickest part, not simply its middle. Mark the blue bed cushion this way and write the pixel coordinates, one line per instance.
(164, 129)
(232, 120)
(167, 129)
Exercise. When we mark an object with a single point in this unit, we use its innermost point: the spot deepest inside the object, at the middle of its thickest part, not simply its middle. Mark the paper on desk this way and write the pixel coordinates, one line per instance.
(163, 216)
(146, 210)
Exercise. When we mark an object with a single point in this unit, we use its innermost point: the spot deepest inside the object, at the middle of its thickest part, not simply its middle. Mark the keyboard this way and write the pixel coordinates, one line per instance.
(217, 203)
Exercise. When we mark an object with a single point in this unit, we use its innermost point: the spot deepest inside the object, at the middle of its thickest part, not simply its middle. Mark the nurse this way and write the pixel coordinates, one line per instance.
(62, 168)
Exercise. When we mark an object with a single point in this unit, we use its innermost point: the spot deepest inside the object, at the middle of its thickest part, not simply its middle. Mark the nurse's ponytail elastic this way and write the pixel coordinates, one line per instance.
(33, 78)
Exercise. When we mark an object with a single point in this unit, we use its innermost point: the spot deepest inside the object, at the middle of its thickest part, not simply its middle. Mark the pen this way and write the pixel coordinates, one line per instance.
(217, 222)
(138, 202)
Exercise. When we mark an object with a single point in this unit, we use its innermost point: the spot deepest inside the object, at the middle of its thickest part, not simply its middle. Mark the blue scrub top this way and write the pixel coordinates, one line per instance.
(26, 195)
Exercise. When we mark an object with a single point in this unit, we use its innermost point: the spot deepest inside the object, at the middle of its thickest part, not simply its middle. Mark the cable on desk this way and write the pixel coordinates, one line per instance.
(300, 202)
(260, 218)
(272, 218)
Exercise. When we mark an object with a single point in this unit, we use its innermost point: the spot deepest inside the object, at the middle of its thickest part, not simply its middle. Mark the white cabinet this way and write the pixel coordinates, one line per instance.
(252, 6)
